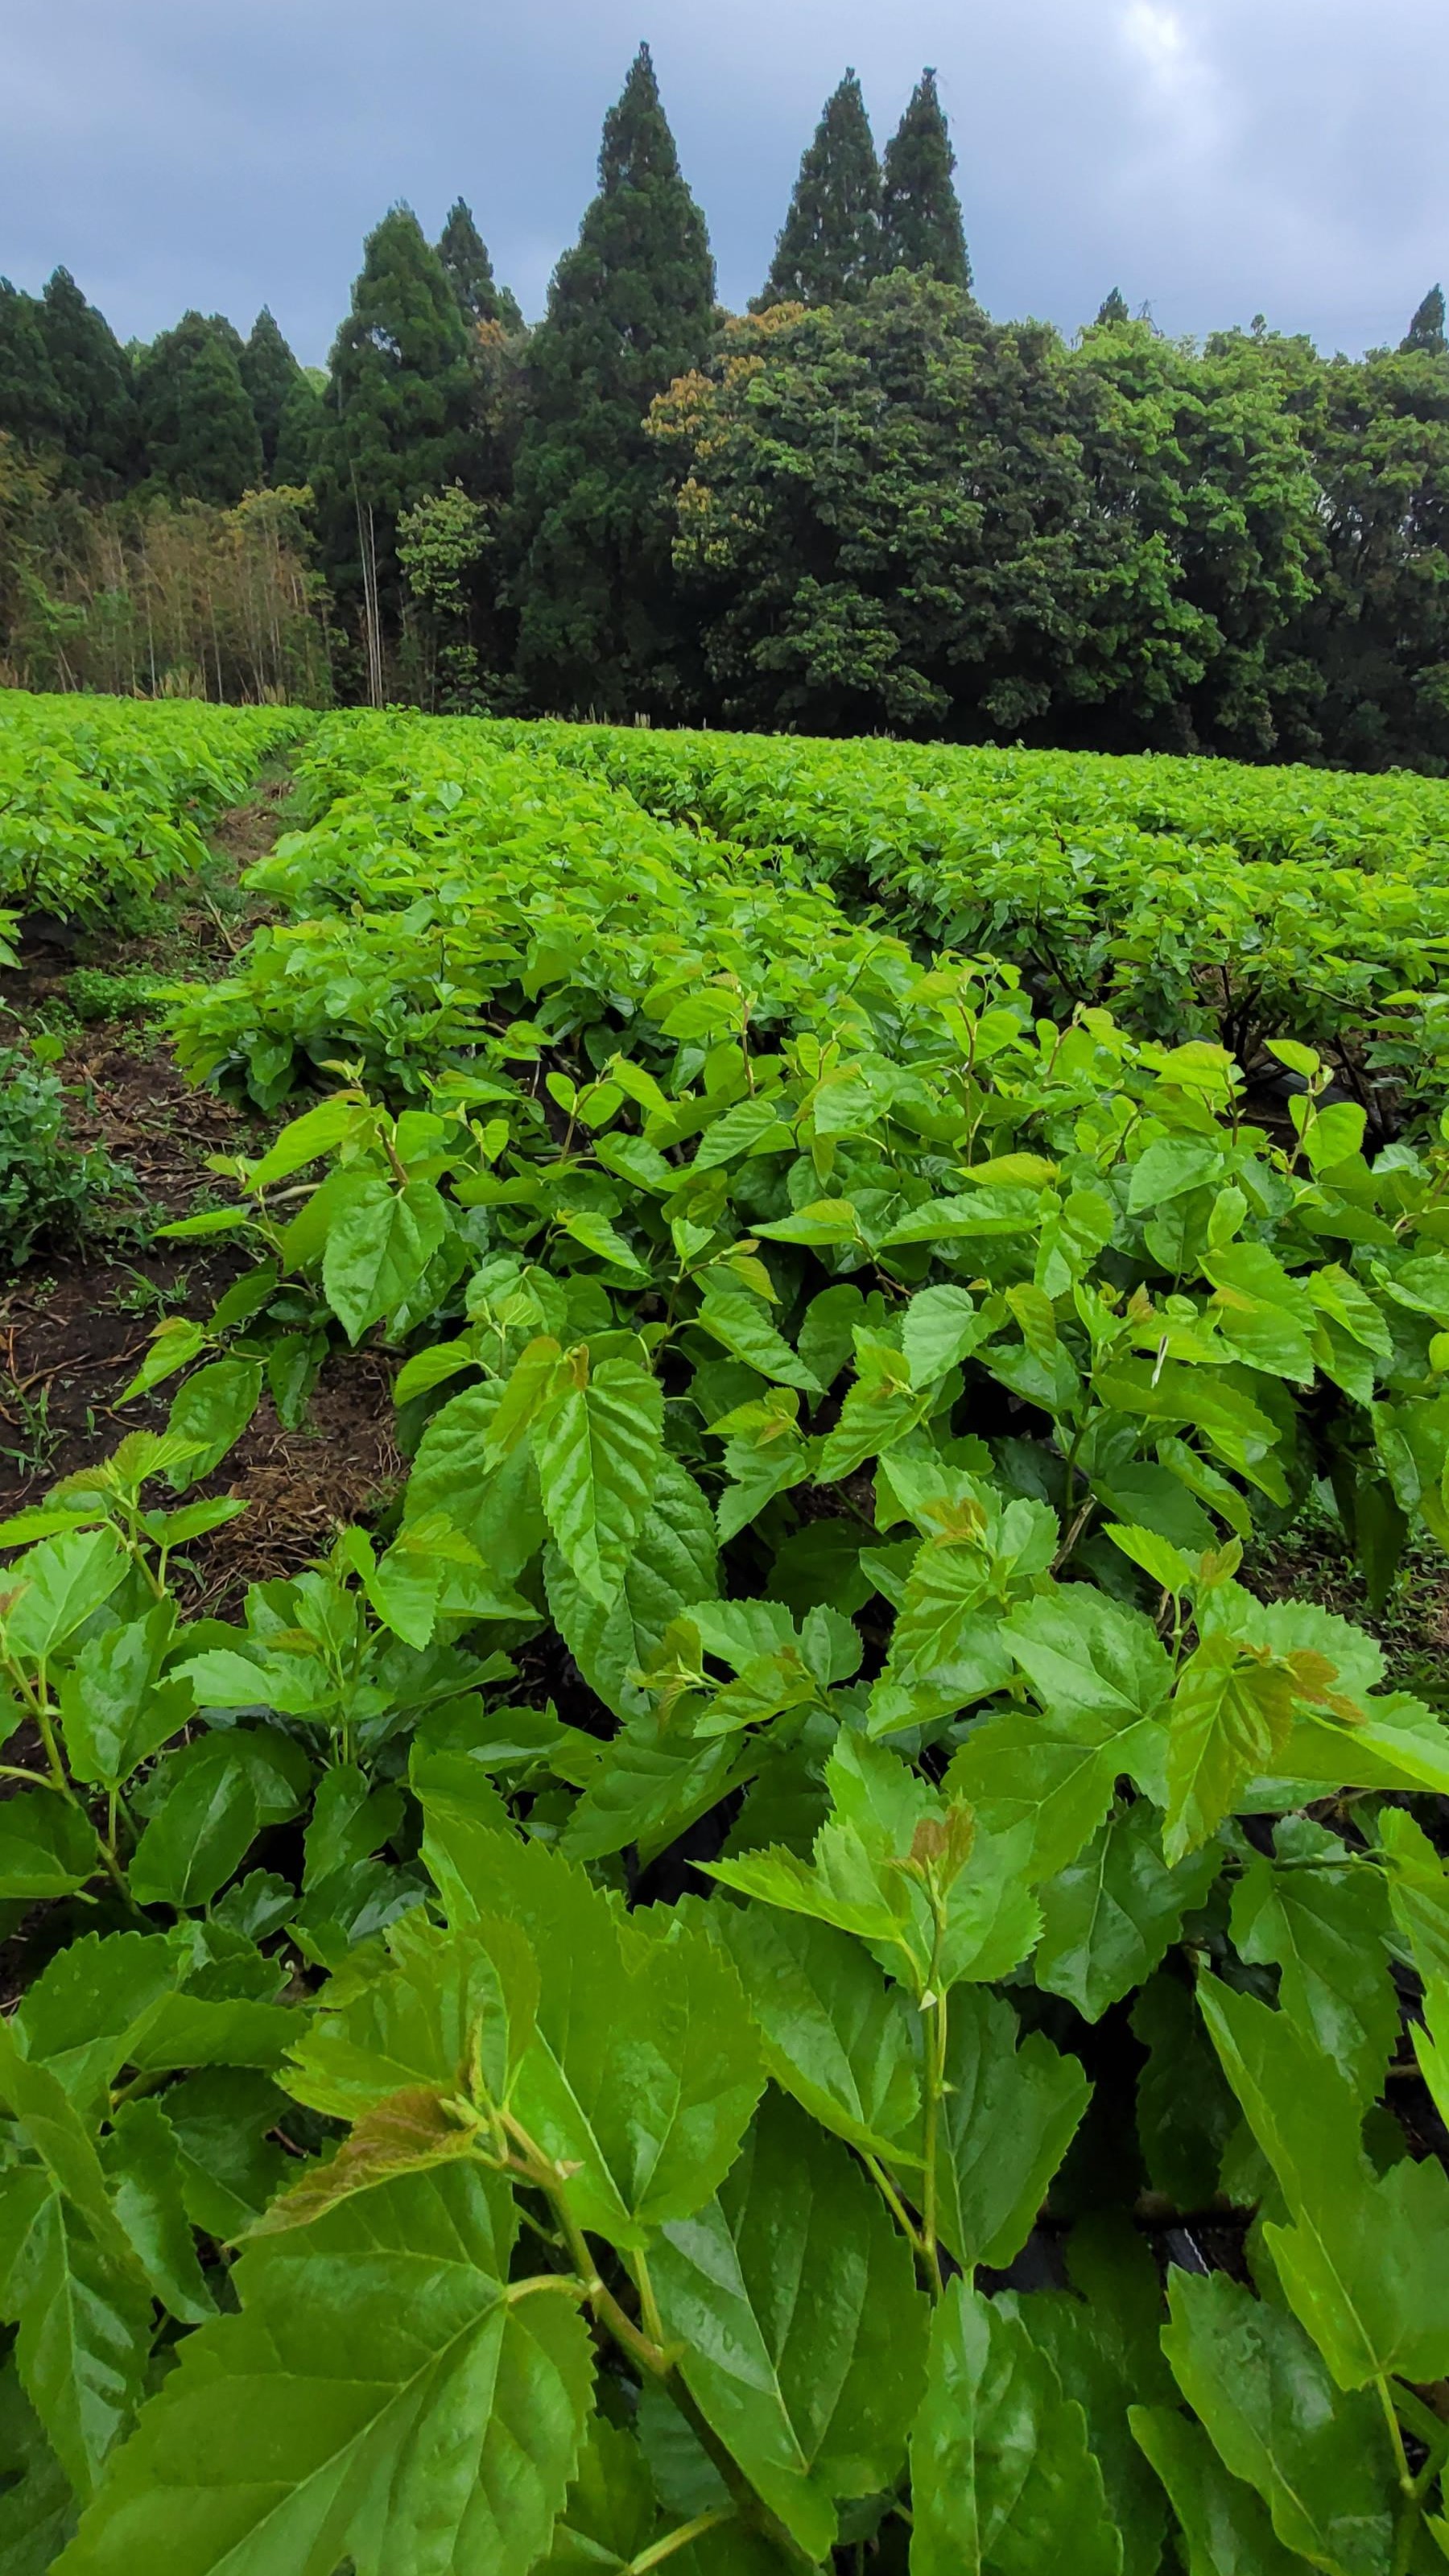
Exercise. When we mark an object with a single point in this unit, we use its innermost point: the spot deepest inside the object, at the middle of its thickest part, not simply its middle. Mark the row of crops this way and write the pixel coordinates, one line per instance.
(1189, 898)
(790, 1961)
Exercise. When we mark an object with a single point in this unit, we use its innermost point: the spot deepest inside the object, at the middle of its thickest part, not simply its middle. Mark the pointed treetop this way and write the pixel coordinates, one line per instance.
(1113, 307)
(269, 371)
(464, 255)
(921, 224)
(400, 382)
(829, 247)
(1426, 331)
(96, 389)
(637, 143)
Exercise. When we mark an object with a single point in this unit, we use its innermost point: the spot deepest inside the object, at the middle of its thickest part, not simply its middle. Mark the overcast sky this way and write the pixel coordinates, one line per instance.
(1215, 158)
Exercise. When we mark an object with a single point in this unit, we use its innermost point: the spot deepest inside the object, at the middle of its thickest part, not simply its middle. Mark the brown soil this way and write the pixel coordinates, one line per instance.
(75, 1322)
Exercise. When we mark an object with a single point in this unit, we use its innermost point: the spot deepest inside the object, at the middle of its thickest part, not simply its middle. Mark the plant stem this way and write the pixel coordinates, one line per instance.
(935, 2087)
(676, 2540)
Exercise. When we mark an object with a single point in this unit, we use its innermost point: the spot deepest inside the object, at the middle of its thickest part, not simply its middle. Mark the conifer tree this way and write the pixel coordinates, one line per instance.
(269, 371)
(921, 224)
(198, 428)
(630, 308)
(1426, 331)
(464, 255)
(396, 416)
(300, 431)
(96, 388)
(829, 247)
(31, 408)
(1113, 307)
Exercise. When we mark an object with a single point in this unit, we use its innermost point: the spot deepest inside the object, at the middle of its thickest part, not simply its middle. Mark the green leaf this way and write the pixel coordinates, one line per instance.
(1227, 2529)
(598, 1448)
(230, 2168)
(1109, 1918)
(143, 2167)
(1230, 1718)
(938, 1328)
(211, 1411)
(1365, 2262)
(731, 1316)
(835, 2034)
(81, 2015)
(434, 1999)
(379, 1242)
(48, 1847)
(303, 1140)
(115, 1712)
(1325, 1926)
(1001, 2476)
(495, 1506)
(51, 1591)
(218, 1790)
(1011, 2111)
(381, 2397)
(644, 2067)
(84, 2325)
(1186, 2113)
(56, 2132)
(37, 2508)
(671, 1566)
(802, 2330)
(1317, 2458)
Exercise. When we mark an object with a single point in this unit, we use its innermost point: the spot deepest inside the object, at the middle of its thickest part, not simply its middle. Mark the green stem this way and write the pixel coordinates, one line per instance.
(935, 2087)
(1401, 2457)
(895, 2204)
(676, 2540)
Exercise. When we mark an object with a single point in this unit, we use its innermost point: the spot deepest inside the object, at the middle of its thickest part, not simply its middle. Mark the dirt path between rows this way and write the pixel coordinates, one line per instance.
(75, 1321)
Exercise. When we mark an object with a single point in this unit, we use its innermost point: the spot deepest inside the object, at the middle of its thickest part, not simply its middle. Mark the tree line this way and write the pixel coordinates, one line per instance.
(861, 505)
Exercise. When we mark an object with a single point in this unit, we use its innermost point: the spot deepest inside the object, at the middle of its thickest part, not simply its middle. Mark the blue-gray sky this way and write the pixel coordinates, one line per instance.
(1214, 157)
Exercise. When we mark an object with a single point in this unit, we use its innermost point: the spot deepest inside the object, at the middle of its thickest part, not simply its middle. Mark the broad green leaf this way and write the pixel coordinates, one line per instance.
(381, 2398)
(210, 1412)
(1186, 2111)
(115, 1712)
(1102, 2336)
(436, 2001)
(1323, 1919)
(1053, 1774)
(1109, 1917)
(1365, 2262)
(611, 2506)
(143, 2168)
(52, 1590)
(1316, 2457)
(1013, 2106)
(1002, 2481)
(938, 1328)
(803, 2333)
(37, 2507)
(219, 1789)
(648, 1789)
(47, 1846)
(379, 1242)
(598, 1449)
(82, 2013)
(1230, 1719)
(54, 2130)
(834, 2033)
(738, 1320)
(495, 1505)
(230, 2166)
(671, 1566)
(1226, 2527)
(644, 2066)
(83, 2324)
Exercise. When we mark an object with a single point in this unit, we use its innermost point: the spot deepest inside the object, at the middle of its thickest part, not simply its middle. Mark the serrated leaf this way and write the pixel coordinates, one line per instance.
(1325, 1926)
(1109, 1918)
(671, 1566)
(1316, 2457)
(381, 2397)
(83, 2325)
(379, 1242)
(143, 2168)
(1002, 2481)
(1013, 2106)
(835, 2034)
(1225, 2525)
(598, 1448)
(803, 2333)
(1364, 2263)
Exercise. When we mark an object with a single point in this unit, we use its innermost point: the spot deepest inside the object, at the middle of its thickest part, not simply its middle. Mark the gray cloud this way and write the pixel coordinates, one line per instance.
(1215, 158)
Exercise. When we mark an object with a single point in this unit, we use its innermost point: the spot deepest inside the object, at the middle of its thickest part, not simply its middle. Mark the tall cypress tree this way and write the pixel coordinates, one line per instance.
(31, 406)
(1113, 307)
(921, 224)
(397, 406)
(829, 247)
(630, 308)
(96, 389)
(300, 431)
(1426, 331)
(198, 428)
(464, 255)
(269, 371)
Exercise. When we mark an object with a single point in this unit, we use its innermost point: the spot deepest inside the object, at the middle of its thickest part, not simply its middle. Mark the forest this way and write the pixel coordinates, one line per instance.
(862, 506)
